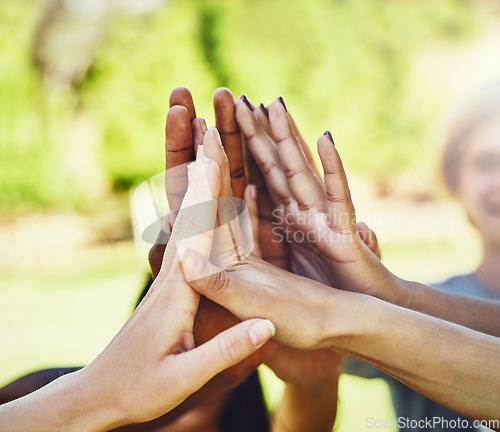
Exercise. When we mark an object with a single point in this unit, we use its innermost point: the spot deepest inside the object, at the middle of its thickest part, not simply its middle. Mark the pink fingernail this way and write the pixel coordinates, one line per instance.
(264, 110)
(261, 331)
(282, 102)
(329, 136)
(247, 102)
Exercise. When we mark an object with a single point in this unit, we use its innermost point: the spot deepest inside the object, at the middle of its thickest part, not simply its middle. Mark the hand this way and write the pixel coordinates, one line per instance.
(170, 309)
(152, 364)
(184, 133)
(278, 247)
(308, 369)
(326, 218)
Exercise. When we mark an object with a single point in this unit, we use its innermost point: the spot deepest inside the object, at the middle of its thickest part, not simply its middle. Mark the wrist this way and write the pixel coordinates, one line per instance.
(83, 407)
(353, 318)
(419, 295)
(64, 405)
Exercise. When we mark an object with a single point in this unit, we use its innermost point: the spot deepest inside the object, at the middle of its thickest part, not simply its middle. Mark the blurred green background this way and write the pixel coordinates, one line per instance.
(84, 89)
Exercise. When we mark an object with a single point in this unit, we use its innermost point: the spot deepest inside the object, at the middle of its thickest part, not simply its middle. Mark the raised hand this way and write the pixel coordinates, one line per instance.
(184, 132)
(278, 237)
(152, 365)
(321, 219)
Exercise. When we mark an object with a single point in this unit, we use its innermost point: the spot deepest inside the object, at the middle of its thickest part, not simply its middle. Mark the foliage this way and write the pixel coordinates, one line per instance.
(340, 65)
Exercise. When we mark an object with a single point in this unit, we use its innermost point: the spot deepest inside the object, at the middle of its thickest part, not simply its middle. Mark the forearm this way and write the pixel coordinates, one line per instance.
(307, 408)
(450, 364)
(478, 314)
(65, 404)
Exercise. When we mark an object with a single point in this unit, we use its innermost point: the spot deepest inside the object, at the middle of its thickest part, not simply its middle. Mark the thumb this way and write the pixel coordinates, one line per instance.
(195, 266)
(227, 349)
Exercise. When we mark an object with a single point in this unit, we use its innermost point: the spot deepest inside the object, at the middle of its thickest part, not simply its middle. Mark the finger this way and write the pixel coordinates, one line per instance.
(213, 149)
(199, 127)
(226, 349)
(225, 122)
(182, 96)
(195, 223)
(369, 239)
(156, 253)
(262, 116)
(305, 148)
(272, 247)
(179, 152)
(264, 152)
(305, 186)
(339, 207)
(253, 210)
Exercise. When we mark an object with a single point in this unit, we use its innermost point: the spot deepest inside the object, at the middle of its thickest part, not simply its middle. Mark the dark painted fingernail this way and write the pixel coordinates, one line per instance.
(247, 102)
(264, 110)
(282, 102)
(329, 136)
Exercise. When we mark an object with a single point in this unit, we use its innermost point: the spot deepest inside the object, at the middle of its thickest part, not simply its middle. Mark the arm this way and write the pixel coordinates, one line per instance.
(478, 314)
(152, 365)
(452, 365)
(326, 215)
(65, 404)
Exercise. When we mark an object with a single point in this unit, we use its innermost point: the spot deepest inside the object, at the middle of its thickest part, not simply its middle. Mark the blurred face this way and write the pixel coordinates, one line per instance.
(479, 183)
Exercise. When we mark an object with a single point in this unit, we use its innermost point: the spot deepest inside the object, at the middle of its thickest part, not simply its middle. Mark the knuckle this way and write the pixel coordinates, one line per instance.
(292, 172)
(229, 348)
(266, 166)
(336, 199)
(219, 283)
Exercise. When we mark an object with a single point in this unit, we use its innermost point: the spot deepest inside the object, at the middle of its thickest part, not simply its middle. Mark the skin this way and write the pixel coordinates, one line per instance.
(327, 217)
(152, 364)
(184, 132)
(311, 378)
(456, 367)
(478, 190)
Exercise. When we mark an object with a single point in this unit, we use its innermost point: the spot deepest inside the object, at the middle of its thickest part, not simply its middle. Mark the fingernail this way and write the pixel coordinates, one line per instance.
(247, 102)
(253, 192)
(329, 136)
(264, 110)
(203, 125)
(217, 136)
(261, 331)
(282, 102)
